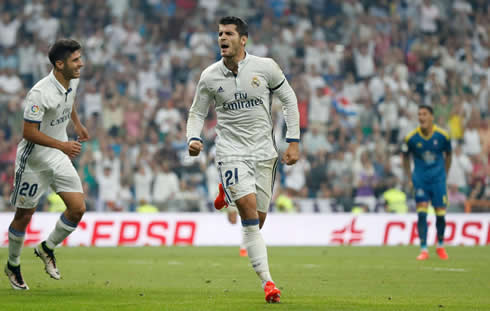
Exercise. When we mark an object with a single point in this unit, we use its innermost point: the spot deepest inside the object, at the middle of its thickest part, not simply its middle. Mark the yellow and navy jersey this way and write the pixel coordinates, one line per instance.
(427, 151)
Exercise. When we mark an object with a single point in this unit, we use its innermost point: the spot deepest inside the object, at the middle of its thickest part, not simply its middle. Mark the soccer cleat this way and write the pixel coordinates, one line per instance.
(424, 255)
(220, 200)
(243, 252)
(47, 256)
(441, 252)
(272, 293)
(15, 277)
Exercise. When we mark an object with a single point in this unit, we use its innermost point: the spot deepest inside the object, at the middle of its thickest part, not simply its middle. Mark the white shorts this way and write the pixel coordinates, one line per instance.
(30, 186)
(240, 178)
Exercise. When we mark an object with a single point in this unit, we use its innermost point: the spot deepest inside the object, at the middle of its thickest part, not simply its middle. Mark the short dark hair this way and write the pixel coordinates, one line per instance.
(61, 49)
(241, 25)
(424, 106)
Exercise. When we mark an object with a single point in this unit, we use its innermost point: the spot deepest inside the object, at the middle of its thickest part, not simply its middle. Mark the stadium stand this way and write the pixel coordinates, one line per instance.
(359, 69)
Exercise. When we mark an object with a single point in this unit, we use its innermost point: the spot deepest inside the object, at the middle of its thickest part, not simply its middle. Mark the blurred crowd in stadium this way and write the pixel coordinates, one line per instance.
(359, 68)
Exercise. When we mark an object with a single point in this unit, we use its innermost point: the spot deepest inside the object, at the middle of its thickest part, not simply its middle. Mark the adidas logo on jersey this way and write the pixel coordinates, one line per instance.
(220, 90)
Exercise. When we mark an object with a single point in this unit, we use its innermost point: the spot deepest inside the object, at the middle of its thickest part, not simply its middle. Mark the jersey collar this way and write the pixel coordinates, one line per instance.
(227, 71)
(58, 85)
(426, 137)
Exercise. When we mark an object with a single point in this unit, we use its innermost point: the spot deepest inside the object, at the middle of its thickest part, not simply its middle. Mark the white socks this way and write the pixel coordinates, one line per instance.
(63, 229)
(257, 252)
(16, 241)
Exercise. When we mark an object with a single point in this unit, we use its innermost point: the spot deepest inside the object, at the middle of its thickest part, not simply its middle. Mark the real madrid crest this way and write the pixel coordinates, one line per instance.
(255, 82)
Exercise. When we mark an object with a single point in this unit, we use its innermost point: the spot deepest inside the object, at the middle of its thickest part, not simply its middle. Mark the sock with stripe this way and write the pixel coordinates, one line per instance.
(422, 227)
(441, 227)
(63, 229)
(16, 241)
(257, 251)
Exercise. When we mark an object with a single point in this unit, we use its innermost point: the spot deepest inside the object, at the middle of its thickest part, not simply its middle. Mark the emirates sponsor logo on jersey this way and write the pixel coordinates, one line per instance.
(242, 102)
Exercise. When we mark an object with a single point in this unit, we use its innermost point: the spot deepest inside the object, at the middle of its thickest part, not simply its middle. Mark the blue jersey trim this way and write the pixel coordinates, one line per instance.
(195, 138)
(31, 121)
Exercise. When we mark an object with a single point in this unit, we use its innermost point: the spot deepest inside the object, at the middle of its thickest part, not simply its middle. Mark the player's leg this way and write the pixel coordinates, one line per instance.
(255, 245)
(16, 235)
(238, 179)
(265, 177)
(422, 229)
(232, 214)
(28, 190)
(439, 201)
(68, 186)
(421, 200)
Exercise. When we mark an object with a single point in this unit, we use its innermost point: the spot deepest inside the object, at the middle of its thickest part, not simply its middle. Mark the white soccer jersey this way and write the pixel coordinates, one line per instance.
(243, 107)
(50, 105)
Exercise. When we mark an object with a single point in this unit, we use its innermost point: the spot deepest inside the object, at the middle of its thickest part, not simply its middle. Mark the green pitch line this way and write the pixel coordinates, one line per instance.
(205, 278)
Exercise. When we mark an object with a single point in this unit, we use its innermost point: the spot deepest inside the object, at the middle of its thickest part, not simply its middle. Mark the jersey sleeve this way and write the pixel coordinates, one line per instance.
(406, 145)
(279, 85)
(34, 107)
(198, 111)
(275, 76)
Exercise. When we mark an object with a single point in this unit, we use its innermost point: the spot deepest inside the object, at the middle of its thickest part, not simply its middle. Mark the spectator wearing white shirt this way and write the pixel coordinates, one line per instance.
(315, 141)
(47, 27)
(460, 170)
(8, 30)
(429, 14)
(167, 117)
(132, 43)
(26, 53)
(364, 60)
(143, 178)
(295, 177)
(92, 101)
(201, 42)
(320, 104)
(10, 84)
(388, 110)
(332, 58)
(165, 187)
(109, 184)
(472, 144)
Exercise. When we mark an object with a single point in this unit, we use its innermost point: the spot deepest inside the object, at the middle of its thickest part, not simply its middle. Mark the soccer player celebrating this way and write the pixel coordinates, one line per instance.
(241, 85)
(431, 150)
(43, 159)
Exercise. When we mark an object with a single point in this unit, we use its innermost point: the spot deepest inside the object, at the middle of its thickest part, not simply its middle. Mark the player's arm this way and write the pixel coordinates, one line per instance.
(197, 114)
(448, 158)
(279, 85)
(406, 161)
(32, 133)
(406, 166)
(33, 116)
(81, 130)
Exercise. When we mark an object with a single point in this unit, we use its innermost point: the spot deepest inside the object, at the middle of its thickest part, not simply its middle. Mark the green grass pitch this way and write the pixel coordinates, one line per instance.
(216, 278)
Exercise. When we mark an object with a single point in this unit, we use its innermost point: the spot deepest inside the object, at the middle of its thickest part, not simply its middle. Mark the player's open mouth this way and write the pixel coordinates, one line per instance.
(224, 46)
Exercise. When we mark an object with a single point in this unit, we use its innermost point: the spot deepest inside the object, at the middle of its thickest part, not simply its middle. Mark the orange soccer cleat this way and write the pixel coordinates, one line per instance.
(243, 252)
(441, 252)
(220, 200)
(272, 293)
(424, 255)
